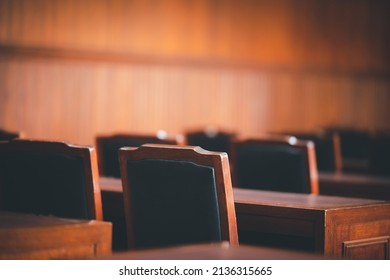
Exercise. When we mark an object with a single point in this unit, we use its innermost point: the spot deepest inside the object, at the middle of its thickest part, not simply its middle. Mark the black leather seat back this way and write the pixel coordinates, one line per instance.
(110, 148)
(173, 202)
(276, 168)
(43, 183)
(219, 142)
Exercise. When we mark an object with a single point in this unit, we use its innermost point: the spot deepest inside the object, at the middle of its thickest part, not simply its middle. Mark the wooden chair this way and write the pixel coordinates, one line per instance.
(108, 147)
(327, 149)
(278, 164)
(210, 139)
(355, 148)
(8, 135)
(49, 178)
(177, 195)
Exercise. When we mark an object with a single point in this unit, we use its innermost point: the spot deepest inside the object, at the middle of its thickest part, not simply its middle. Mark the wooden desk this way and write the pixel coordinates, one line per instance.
(334, 226)
(354, 185)
(217, 251)
(27, 236)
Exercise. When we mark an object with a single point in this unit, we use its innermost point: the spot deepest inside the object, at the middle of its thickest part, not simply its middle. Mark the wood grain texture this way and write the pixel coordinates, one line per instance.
(75, 101)
(348, 34)
(355, 185)
(27, 236)
(320, 223)
(70, 70)
(325, 224)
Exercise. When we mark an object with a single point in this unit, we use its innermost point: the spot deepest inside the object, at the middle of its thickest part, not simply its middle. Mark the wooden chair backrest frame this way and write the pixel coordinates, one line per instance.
(218, 161)
(8, 135)
(330, 140)
(210, 139)
(87, 155)
(103, 141)
(307, 147)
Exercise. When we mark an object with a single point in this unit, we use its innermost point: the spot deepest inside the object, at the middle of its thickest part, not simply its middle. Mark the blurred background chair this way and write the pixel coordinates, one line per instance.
(210, 139)
(108, 147)
(177, 195)
(8, 135)
(49, 178)
(355, 148)
(380, 154)
(278, 164)
(327, 149)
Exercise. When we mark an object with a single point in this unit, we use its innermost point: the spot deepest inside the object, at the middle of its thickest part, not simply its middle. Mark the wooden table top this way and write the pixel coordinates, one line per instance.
(110, 184)
(317, 223)
(260, 197)
(30, 236)
(13, 220)
(355, 185)
(352, 178)
(301, 201)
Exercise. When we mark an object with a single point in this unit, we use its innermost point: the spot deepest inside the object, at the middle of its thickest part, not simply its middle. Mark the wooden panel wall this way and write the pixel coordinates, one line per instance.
(72, 69)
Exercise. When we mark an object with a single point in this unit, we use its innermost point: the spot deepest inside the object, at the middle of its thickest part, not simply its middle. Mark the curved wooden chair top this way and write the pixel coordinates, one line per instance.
(210, 139)
(8, 135)
(50, 178)
(176, 195)
(279, 164)
(327, 148)
(107, 147)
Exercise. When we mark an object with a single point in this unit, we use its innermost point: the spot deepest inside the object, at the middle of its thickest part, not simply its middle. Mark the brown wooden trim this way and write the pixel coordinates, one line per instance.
(348, 246)
(218, 161)
(8, 51)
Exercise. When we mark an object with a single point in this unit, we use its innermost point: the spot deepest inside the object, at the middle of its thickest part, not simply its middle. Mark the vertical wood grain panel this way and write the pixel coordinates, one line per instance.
(340, 34)
(307, 56)
(75, 101)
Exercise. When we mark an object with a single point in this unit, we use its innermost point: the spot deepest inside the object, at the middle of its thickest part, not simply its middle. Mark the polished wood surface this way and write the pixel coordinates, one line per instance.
(325, 224)
(337, 227)
(27, 236)
(286, 65)
(110, 184)
(215, 251)
(309, 33)
(301, 201)
(145, 98)
(355, 185)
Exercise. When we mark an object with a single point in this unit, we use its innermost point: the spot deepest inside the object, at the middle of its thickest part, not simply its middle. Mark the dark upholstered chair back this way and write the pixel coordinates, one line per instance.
(275, 165)
(380, 154)
(176, 195)
(327, 149)
(108, 148)
(8, 135)
(217, 141)
(355, 144)
(49, 178)
(355, 148)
